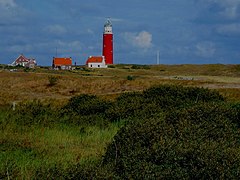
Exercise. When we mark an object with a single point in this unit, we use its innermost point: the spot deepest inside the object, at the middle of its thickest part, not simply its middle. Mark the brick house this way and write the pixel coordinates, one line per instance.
(25, 62)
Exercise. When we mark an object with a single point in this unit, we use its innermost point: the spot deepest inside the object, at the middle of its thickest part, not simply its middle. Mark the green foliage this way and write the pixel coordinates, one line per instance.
(52, 80)
(33, 113)
(127, 105)
(158, 99)
(170, 95)
(237, 67)
(86, 109)
(136, 66)
(200, 142)
(111, 66)
(131, 78)
(175, 132)
(26, 69)
(87, 69)
(86, 105)
(168, 132)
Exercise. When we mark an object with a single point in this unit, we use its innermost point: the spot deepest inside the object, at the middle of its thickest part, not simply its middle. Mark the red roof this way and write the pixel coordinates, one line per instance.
(22, 58)
(62, 61)
(95, 59)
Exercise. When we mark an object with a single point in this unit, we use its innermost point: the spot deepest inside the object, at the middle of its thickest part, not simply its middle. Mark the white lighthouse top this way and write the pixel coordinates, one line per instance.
(108, 27)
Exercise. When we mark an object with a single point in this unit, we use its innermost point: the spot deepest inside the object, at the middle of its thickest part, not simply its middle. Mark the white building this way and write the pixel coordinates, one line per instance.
(96, 62)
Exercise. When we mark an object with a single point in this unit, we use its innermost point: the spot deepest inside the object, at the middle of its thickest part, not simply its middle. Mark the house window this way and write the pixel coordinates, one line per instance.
(91, 65)
(98, 65)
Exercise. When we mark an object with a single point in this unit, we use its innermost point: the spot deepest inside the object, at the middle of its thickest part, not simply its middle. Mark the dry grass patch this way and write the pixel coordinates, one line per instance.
(18, 86)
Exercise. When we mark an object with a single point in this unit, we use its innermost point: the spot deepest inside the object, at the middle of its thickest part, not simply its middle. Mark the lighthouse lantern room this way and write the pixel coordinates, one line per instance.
(108, 42)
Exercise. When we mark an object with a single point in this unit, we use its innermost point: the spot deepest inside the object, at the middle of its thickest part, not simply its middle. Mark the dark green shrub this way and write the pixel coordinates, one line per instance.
(26, 69)
(85, 109)
(180, 93)
(34, 113)
(137, 66)
(111, 66)
(126, 105)
(87, 105)
(130, 78)
(52, 80)
(158, 99)
(87, 69)
(200, 141)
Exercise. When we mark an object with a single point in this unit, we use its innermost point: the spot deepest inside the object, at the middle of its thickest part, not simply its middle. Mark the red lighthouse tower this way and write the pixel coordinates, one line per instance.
(108, 42)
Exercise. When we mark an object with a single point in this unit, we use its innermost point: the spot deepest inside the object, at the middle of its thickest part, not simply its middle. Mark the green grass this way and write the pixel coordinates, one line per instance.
(24, 150)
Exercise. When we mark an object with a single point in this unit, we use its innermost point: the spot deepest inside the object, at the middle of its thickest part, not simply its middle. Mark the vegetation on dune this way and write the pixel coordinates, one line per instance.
(200, 142)
(41, 83)
(193, 134)
(126, 122)
(162, 132)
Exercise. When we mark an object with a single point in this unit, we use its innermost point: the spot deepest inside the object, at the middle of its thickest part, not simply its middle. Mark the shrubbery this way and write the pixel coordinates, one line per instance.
(52, 80)
(86, 110)
(175, 132)
(86, 105)
(135, 66)
(80, 110)
(199, 142)
(34, 113)
(170, 132)
(158, 99)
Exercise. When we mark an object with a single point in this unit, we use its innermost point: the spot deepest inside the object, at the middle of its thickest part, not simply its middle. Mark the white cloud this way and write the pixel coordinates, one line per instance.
(13, 13)
(90, 31)
(67, 48)
(7, 4)
(229, 29)
(63, 47)
(56, 29)
(231, 8)
(205, 49)
(116, 19)
(7, 9)
(141, 40)
(231, 12)
(19, 48)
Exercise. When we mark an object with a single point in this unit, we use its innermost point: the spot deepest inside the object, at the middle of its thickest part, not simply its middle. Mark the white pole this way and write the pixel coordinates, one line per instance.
(158, 57)
(14, 106)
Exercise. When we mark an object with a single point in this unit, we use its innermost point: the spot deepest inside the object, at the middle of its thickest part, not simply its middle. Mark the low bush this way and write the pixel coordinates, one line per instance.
(52, 80)
(168, 132)
(86, 105)
(187, 133)
(175, 96)
(135, 66)
(126, 106)
(86, 109)
(111, 66)
(131, 78)
(34, 113)
(199, 142)
(158, 99)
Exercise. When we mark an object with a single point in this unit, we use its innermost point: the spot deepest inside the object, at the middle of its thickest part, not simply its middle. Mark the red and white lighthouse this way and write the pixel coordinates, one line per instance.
(108, 42)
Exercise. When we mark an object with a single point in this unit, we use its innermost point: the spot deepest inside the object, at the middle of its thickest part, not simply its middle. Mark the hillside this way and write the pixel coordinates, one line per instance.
(125, 122)
(34, 84)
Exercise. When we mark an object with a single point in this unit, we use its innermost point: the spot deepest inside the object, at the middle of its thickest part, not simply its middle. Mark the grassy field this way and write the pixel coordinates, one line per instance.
(25, 150)
(19, 86)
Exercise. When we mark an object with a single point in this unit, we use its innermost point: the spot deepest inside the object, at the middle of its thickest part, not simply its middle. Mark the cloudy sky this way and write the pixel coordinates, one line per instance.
(184, 31)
